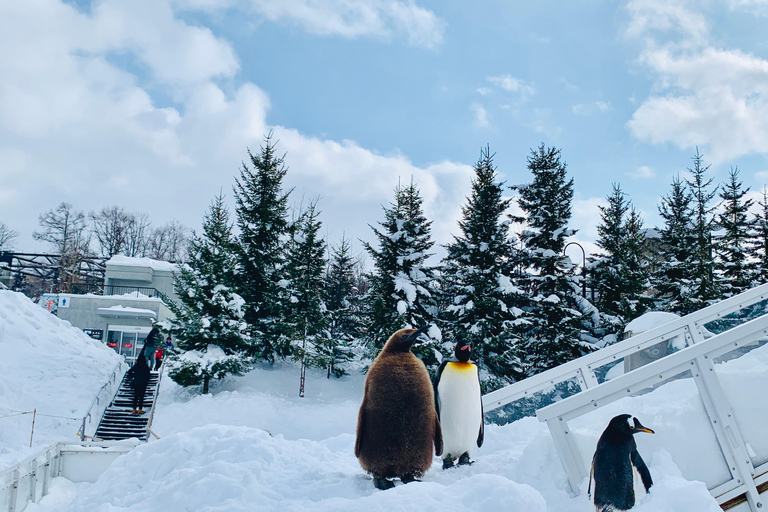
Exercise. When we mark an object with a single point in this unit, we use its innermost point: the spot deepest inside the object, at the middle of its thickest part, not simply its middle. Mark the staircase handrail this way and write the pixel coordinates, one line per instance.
(583, 368)
(697, 358)
(105, 389)
(154, 400)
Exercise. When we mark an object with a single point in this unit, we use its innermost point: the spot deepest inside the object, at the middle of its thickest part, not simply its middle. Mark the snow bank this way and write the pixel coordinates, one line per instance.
(48, 365)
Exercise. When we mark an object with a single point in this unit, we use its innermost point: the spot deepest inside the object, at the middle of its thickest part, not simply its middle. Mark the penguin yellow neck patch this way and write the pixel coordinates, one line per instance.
(458, 365)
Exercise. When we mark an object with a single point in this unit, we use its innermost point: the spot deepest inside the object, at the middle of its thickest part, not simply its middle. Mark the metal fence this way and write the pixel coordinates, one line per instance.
(102, 400)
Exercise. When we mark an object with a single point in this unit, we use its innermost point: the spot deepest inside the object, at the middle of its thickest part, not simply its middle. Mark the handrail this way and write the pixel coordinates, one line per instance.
(583, 368)
(154, 402)
(698, 359)
(97, 399)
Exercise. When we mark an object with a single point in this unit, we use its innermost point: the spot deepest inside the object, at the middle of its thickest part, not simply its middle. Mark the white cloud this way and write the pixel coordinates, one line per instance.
(480, 119)
(759, 7)
(77, 127)
(642, 172)
(358, 18)
(512, 84)
(706, 96)
(589, 108)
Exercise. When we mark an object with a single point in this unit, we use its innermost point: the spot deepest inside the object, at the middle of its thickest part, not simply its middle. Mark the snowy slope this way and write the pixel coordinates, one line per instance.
(255, 445)
(48, 365)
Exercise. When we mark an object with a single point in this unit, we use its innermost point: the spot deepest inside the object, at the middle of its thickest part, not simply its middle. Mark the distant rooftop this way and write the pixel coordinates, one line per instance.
(142, 262)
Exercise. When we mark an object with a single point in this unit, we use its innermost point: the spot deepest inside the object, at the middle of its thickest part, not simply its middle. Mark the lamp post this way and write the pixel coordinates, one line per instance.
(583, 266)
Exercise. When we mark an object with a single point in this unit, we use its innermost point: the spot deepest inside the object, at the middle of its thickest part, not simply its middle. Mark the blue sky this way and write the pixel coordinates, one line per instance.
(151, 104)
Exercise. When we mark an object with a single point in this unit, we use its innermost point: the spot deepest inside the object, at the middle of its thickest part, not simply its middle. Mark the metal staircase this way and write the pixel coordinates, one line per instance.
(119, 422)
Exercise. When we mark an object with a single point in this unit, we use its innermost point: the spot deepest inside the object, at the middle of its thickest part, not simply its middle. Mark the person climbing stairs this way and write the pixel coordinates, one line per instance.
(119, 420)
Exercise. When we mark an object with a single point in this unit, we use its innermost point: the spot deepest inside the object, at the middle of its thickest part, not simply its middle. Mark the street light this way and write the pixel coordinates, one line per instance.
(583, 267)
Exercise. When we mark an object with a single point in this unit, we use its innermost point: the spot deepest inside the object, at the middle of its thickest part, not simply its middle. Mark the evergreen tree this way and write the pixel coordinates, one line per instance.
(706, 289)
(672, 281)
(483, 305)
(620, 272)
(304, 318)
(209, 319)
(262, 216)
(342, 302)
(556, 312)
(733, 247)
(401, 294)
(759, 243)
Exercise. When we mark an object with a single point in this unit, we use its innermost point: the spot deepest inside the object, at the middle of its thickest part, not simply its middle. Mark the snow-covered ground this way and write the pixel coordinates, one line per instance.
(253, 444)
(47, 365)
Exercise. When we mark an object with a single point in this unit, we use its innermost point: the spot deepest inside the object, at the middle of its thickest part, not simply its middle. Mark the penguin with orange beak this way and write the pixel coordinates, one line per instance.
(614, 464)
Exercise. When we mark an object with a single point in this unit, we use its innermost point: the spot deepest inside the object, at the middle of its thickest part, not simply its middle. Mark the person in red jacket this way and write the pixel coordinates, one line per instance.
(158, 357)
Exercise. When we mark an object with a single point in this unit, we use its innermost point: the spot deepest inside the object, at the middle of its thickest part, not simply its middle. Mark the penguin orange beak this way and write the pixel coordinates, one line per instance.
(641, 428)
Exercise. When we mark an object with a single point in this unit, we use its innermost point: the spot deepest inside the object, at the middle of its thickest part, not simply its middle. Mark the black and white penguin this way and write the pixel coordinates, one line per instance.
(616, 458)
(397, 426)
(459, 405)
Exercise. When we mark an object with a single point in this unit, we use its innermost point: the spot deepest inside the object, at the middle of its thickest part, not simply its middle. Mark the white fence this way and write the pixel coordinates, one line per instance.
(28, 481)
(576, 388)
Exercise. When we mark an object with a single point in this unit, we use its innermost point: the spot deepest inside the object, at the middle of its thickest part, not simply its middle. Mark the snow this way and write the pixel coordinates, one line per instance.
(46, 365)
(127, 311)
(127, 261)
(253, 444)
(649, 321)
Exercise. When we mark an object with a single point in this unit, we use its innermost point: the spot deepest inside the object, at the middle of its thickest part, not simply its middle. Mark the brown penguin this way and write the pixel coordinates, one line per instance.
(397, 426)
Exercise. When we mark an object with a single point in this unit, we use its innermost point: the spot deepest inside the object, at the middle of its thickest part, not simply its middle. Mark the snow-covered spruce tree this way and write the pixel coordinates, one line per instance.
(732, 247)
(262, 216)
(759, 243)
(483, 305)
(304, 320)
(401, 293)
(556, 313)
(620, 272)
(705, 283)
(673, 279)
(342, 303)
(209, 319)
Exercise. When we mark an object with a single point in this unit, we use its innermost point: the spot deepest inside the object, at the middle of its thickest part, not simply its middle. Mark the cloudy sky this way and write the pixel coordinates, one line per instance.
(152, 104)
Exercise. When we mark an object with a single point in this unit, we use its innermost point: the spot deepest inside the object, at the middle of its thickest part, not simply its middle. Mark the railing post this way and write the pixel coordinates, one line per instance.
(14, 492)
(569, 454)
(726, 430)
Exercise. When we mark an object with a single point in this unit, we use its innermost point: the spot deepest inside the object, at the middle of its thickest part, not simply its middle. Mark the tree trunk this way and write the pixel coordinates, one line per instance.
(206, 381)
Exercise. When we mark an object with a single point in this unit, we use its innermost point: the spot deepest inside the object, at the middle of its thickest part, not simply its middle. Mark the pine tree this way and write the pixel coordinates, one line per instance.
(620, 272)
(483, 305)
(759, 243)
(733, 247)
(342, 302)
(262, 216)
(209, 319)
(401, 292)
(672, 280)
(706, 289)
(556, 312)
(304, 320)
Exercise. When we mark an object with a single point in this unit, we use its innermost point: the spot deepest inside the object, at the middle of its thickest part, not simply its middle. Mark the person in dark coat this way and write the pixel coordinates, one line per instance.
(151, 343)
(139, 373)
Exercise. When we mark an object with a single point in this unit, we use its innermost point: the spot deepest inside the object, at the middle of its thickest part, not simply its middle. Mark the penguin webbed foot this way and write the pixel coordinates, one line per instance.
(464, 460)
(406, 479)
(448, 463)
(382, 483)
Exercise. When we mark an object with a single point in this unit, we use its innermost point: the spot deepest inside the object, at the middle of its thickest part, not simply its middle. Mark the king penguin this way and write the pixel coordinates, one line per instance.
(613, 465)
(459, 406)
(397, 426)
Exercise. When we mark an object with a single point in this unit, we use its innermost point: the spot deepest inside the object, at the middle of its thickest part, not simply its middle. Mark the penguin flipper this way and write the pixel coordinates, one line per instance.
(645, 474)
(360, 430)
(438, 437)
(481, 434)
(437, 382)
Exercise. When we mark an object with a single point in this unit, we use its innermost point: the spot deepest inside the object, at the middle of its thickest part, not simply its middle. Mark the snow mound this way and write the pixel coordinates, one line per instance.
(47, 365)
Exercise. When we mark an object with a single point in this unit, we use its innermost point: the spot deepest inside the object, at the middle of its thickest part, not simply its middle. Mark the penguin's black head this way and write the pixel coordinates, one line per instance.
(403, 339)
(628, 425)
(462, 351)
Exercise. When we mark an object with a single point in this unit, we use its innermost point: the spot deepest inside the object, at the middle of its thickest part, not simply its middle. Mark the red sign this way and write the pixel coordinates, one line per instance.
(113, 345)
(127, 345)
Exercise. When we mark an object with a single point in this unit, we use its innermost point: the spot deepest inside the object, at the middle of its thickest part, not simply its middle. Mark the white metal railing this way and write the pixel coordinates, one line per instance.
(103, 397)
(582, 370)
(29, 480)
(698, 359)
